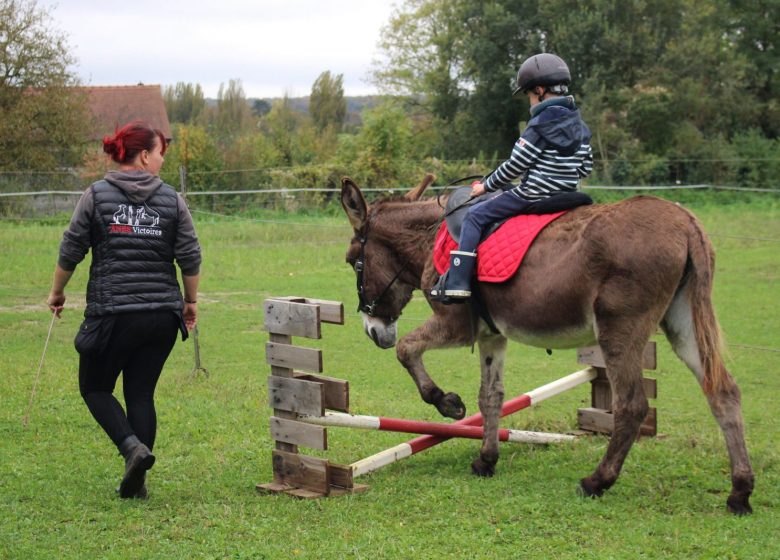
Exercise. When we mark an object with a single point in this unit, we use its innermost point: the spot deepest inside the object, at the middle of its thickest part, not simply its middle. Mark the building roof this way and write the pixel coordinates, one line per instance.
(115, 106)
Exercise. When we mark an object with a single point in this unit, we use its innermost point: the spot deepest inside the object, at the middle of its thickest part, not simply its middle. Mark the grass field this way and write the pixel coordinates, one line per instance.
(57, 476)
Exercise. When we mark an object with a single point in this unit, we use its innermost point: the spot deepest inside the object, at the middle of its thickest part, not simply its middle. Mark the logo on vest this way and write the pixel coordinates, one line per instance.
(135, 220)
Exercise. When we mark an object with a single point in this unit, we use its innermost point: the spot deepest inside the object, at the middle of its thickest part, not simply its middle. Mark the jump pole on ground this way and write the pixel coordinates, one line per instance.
(362, 422)
(411, 447)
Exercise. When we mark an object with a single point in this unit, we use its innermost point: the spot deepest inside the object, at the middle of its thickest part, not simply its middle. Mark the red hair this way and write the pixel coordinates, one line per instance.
(130, 140)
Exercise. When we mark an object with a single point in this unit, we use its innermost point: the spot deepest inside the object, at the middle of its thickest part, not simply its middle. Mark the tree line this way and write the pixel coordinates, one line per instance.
(675, 91)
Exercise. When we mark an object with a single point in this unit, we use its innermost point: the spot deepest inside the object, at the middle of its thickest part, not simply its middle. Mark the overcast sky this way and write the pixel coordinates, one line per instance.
(273, 46)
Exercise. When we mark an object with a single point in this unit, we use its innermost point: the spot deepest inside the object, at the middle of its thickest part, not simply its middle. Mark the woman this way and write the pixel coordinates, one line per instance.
(136, 226)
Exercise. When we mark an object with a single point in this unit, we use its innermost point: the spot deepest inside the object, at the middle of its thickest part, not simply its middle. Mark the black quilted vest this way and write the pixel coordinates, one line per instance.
(132, 252)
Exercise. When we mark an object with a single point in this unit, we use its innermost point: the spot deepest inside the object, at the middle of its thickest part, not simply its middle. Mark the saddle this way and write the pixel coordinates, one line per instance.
(458, 205)
(505, 243)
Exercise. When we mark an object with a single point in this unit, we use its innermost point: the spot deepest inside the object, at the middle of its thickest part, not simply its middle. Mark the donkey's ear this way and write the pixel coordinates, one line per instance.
(418, 191)
(353, 203)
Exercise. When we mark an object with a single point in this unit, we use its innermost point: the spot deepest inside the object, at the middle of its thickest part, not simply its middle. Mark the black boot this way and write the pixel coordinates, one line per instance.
(142, 494)
(454, 286)
(138, 460)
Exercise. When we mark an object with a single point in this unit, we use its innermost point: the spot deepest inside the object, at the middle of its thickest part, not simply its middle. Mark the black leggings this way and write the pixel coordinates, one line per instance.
(138, 347)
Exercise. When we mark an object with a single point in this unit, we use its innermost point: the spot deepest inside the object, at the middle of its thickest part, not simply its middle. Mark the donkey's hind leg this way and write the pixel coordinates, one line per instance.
(492, 350)
(622, 347)
(725, 402)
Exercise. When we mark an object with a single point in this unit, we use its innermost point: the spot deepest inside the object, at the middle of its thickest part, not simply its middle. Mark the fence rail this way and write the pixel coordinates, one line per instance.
(37, 204)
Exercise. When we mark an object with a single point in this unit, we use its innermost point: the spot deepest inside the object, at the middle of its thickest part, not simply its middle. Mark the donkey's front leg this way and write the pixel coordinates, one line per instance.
(448, 329)
(492, 349)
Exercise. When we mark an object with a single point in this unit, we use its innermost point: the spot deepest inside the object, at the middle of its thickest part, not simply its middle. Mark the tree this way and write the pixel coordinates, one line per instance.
(184, 102)
(458, 58)
(377, 155)
(233, 116)
(327, 105)
(260, 107)
(195, 150)
(754, 27)
(287, 131)
(43, 120)
(663, 84)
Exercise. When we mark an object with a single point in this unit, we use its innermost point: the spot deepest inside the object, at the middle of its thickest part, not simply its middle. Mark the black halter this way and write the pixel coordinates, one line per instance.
(369, 308)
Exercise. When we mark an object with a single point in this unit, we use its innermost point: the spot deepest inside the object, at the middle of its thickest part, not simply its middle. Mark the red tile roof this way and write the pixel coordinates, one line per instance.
(113, 106)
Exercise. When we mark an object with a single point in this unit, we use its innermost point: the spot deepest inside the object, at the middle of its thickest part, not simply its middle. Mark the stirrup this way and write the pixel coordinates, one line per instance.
(437, 292)
(447, 297)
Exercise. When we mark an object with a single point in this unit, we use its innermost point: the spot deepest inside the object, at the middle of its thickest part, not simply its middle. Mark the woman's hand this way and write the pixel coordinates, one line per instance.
(56, 301)
(190, 315)
(477, 189)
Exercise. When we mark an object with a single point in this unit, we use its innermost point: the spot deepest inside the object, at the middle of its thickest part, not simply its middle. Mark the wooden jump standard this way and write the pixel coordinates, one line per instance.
(300, 398)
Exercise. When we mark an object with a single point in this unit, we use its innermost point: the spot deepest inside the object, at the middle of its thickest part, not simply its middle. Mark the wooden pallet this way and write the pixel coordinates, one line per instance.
(598, 417)
(292, 392)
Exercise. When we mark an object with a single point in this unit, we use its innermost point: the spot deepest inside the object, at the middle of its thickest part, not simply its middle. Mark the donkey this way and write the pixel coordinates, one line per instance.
(607, 274)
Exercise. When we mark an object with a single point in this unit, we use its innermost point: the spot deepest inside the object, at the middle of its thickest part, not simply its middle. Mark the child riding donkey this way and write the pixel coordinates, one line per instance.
(551, 156)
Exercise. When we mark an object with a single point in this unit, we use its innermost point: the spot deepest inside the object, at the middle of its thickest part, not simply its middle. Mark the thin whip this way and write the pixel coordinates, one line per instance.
(26, 418)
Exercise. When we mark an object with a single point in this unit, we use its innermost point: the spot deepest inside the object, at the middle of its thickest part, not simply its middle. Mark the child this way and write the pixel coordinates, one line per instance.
(551, 156)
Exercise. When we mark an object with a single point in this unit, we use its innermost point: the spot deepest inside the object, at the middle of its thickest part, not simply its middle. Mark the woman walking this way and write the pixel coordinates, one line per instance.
(136, 227)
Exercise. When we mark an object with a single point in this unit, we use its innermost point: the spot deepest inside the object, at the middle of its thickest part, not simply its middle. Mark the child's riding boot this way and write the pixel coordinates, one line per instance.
(454, 286)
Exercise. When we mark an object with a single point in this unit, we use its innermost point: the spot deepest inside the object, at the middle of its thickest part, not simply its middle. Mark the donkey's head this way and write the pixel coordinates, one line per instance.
(384, 285)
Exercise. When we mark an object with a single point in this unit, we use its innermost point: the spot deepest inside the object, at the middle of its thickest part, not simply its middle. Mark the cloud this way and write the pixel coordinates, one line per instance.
(273, 46)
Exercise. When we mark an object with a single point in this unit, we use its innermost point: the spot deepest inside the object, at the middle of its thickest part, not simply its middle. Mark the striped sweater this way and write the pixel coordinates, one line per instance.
(551, 156)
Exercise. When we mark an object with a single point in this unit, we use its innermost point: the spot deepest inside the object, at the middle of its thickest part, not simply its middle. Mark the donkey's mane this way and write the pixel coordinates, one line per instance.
(406, 221)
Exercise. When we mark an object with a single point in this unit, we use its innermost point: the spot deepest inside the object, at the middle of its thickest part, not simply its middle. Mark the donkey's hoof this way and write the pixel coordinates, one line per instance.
(739, 505)
(451, 406)
(483, 468)
(589, 488)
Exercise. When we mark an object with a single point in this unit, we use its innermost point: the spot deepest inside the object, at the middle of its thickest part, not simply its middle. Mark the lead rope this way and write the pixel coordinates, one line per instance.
(26, 418)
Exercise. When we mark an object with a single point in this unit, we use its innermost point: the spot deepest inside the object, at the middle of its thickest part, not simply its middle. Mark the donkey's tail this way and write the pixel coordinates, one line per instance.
(701, 269)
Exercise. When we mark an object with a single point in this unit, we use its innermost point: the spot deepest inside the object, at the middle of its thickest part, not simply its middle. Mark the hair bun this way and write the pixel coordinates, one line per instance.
(113, 146)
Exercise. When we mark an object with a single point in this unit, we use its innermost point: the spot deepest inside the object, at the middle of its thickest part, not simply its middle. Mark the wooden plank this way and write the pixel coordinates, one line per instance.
(295, 395)
(301, 471)
(602, 421)
(601, 392)
(299, 433)
(342, 481)
(593, 356)
(650, 423)
(330, 311)
(282, 372)
(304, 494)
(339, 491)
(341, 475)
(650, 387)
(272, 487)
(595, 420)
(335, 391)
(301, 493)
(292, 318)
(289, 356)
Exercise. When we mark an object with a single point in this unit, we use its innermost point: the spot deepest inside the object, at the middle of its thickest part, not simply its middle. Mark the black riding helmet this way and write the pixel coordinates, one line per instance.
(543, 69)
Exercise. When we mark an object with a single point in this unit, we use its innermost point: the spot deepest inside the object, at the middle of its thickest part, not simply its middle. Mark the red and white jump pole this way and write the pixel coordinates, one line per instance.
(422, 443)
(341, 419)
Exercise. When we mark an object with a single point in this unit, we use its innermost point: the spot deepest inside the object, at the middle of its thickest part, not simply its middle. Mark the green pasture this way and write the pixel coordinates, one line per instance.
(57, 476)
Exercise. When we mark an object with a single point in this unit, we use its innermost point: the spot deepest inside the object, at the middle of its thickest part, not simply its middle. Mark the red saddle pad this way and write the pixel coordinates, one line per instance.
(499, 256)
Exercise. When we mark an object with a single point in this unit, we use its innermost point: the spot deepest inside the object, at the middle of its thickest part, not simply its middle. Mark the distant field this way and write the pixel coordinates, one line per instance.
(57, 477)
